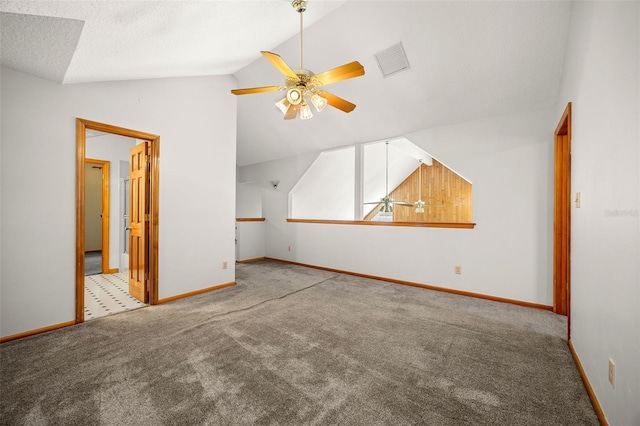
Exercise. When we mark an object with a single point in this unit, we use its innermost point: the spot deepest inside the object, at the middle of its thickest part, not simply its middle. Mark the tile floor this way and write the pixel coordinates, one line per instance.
(107, 294)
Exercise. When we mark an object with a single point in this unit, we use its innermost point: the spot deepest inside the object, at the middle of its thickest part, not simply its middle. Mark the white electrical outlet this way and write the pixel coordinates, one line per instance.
(458, 269)
(612, 373)
(225, 265)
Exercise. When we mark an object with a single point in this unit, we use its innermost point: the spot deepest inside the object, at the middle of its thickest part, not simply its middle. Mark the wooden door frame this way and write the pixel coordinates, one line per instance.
(82, 126)
(106, 176)
(562, 217)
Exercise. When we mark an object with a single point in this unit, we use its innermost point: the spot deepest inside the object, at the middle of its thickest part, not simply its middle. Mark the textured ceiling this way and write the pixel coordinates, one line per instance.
(468, 60)
(125, 40)
(39, 45)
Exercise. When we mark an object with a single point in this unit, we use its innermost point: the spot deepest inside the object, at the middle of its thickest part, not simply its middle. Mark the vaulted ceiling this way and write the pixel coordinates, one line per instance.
(468, 60)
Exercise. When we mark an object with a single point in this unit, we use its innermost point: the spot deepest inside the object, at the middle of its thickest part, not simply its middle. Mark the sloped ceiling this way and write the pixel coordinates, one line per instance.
(468, 60)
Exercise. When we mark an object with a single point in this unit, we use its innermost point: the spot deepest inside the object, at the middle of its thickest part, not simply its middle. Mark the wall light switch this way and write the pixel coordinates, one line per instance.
(612, 373)
(577, 200)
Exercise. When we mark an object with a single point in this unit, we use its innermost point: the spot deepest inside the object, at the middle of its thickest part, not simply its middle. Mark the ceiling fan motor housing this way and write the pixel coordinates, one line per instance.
(299, 5)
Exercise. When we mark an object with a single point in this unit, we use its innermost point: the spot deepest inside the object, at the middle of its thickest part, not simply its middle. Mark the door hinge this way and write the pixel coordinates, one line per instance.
(147, 217)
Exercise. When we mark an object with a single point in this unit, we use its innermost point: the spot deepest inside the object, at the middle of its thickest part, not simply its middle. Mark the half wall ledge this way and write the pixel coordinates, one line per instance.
(461, 225)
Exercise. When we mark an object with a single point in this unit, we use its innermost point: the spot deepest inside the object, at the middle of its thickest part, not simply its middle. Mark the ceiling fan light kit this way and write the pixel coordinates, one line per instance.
(302, 84)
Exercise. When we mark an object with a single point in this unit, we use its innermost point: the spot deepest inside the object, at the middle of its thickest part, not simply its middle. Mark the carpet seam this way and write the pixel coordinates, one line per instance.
(222, 314)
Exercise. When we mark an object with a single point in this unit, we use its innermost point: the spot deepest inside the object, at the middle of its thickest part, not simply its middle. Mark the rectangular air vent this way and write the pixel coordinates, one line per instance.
(392, 60)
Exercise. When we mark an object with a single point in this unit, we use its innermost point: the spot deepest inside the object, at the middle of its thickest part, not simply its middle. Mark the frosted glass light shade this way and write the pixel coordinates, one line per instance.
(305, 111)
(283, 105)
(318, 101)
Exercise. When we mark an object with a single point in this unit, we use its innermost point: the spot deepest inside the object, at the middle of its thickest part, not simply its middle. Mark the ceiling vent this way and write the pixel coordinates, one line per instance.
(392, 60)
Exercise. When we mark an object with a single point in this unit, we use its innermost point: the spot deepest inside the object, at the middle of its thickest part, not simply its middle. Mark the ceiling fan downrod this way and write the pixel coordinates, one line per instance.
(300, 6)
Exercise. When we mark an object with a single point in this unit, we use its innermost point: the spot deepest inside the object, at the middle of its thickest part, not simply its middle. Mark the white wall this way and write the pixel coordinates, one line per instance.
(602, 80)
(114, 149)
(248, 200)
(196, 120)
(250, 240)
(508, 254)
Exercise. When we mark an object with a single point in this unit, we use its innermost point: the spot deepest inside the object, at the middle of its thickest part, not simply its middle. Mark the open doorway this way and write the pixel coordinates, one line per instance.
(97, 208)
(114, 146)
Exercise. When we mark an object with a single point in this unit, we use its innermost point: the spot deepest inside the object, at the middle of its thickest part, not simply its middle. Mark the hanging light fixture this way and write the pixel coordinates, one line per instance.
(306, 87)
(303, 85)
(386, 208)
(419, 204)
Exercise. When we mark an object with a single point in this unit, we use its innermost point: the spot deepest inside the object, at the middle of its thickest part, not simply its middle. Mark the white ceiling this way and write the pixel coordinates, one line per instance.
(469, 60)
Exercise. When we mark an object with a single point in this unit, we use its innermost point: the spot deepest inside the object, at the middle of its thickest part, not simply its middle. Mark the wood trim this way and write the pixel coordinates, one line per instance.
(254, 259)
(369, 223)
(562, 216)
(113, 271)
(448, 196)
(36, 331)
(81, 139)
(425, 286)
(106, 209)
(122, 131)
(249, 219)
(592, 395)
(154, 224)
(195, 293)
(81, 126)
(564, 125)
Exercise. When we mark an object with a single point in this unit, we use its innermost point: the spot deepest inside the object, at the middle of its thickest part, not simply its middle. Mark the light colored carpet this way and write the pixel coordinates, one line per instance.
(291, 345)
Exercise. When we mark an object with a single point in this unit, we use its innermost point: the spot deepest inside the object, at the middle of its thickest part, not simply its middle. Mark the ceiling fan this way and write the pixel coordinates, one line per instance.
(386, 201)
(419, 204)
(300, 83)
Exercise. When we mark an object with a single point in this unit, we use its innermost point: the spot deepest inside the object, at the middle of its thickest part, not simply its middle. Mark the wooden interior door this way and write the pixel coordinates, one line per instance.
(562, 217)
(139, 221)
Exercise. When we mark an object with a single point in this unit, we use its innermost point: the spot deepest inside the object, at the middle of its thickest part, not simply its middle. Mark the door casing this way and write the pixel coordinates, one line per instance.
(562, 217)
(82, 126)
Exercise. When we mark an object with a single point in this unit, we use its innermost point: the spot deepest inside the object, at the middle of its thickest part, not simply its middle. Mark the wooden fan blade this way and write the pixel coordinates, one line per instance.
(292, 112)
(280, 64)
(337, 102)
(402, 203)
(343, 72)
(251, 90)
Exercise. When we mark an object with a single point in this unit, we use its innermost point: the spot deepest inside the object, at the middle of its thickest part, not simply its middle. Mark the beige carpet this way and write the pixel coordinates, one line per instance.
(297, 346)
